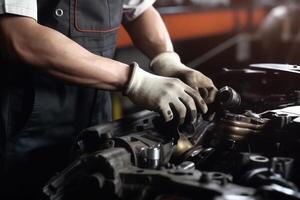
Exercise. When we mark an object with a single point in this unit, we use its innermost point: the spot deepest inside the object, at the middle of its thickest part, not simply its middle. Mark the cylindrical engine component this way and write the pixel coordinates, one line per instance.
(258, 161)
(153, 157)
(283, 166)
(227, 98)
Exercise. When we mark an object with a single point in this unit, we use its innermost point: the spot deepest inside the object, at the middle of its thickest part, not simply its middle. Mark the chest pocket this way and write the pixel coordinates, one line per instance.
(96, 16)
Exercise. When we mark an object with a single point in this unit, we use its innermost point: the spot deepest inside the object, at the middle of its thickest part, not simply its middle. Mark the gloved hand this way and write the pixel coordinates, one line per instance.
(169, 64)
(163, 94)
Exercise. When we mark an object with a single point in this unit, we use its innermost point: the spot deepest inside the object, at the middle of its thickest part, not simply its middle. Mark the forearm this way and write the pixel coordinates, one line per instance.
(149, 33)
(57, 55)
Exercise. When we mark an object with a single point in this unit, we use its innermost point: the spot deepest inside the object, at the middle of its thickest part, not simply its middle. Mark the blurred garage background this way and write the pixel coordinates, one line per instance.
(218, 35)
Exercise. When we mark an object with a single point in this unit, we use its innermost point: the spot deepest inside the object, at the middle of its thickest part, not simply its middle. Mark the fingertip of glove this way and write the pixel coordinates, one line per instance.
(205, 108)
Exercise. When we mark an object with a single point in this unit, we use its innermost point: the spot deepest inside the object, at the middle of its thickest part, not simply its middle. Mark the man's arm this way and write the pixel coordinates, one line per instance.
(52, 52)
(57, 55)
(149, 33)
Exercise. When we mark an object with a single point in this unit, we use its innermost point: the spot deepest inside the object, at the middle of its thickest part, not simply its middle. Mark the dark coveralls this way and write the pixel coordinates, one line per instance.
(39, 115)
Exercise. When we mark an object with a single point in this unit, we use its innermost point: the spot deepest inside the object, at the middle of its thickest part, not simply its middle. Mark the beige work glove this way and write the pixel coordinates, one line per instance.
(163, 94)
(169, 64)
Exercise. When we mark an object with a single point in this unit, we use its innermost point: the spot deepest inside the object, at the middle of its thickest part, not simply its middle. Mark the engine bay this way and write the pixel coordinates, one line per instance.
(250, 151)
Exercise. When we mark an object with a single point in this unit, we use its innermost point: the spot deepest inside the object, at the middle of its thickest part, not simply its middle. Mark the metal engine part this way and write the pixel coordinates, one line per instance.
(238, 126)
(246, 155)
(109, 174)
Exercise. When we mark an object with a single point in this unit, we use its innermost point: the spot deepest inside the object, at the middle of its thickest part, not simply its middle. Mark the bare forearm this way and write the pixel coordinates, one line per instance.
(57, 55)
(149, 33)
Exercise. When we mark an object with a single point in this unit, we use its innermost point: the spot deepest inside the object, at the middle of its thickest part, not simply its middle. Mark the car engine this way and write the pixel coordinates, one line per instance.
(250, 151)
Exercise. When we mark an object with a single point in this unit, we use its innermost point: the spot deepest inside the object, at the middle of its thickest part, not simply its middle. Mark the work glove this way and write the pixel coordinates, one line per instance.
(168, 64)
(168, 96)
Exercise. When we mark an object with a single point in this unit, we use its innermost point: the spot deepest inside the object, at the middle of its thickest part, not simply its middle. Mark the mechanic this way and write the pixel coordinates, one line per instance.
(57, 71)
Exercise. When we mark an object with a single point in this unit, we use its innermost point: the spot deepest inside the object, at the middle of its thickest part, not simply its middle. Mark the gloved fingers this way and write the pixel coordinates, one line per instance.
(208, 94)
(189, 103)
(211, 116)
(212, 91)
(166, 111)
(201, 105)
(203, 92)
(209, 99)
(180, 110)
